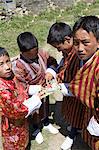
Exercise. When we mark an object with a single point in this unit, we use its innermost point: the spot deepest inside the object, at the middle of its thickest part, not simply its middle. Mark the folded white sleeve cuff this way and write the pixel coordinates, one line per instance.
(32, 104)
(34, 89)
(93, 127)
(65, 91)
(50, 70)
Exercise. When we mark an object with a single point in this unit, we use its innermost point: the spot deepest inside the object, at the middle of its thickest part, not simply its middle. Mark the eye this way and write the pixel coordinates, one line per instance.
(75, 43)
(85, 43)
(8, 61)
(1, 64)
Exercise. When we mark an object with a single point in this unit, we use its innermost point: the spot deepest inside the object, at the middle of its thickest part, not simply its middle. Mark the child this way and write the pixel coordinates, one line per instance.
(30, 69)
(60, 37)
(85, 85)
(15, 106)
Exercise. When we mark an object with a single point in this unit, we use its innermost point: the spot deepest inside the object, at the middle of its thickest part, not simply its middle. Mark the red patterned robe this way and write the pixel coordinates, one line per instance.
(31, 74)
(85, 85)
(14, 126)
(72, 108)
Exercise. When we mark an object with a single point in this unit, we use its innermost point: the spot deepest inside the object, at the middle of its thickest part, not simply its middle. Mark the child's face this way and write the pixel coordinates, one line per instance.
(31, 54)
(64, 47)
(5, 67)
(85, 44)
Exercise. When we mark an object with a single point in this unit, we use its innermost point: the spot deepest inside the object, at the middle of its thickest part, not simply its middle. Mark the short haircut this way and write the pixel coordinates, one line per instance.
(57, 33)
(3, 52)
(27, 41)
(88, 23)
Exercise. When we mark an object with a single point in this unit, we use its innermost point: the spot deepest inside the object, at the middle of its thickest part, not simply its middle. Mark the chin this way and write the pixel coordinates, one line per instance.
(10, 77)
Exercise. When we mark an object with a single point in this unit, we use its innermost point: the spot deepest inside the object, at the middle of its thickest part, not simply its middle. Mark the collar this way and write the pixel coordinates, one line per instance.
(30, 61)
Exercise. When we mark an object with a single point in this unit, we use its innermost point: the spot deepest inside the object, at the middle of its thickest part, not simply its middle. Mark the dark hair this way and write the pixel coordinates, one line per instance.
(26, 41)
(51, 61)
(88, 23)
(3, 52)
(57, 33)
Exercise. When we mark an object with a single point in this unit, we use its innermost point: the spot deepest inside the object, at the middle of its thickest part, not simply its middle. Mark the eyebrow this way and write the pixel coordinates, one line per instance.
(81, 40)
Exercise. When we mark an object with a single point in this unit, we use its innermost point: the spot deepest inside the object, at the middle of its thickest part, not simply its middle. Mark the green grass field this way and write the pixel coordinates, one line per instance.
(40, 24)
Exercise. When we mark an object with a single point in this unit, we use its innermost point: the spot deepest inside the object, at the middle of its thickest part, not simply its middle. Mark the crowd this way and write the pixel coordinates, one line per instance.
(26, 82)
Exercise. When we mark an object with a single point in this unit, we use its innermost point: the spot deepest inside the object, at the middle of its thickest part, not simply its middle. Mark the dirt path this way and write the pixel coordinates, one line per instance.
(53, 142)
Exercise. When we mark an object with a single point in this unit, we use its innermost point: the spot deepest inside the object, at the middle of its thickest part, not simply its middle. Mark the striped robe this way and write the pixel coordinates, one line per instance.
(85, 86)
(31, 74)
(72, 108)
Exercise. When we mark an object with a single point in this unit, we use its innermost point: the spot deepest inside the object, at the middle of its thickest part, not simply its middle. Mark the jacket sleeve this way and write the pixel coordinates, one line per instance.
(20, 71)
(11, 106)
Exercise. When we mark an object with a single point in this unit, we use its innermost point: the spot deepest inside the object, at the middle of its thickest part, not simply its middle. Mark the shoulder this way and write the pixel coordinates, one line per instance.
(2, 86)
(18, 64)
(43, 53)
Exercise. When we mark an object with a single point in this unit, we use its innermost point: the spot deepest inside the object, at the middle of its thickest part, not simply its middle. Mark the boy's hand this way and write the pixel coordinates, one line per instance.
(41, 94)
(48, 77)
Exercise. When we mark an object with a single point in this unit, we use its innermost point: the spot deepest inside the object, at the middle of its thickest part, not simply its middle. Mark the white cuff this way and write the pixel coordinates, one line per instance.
(93, 127)
(65, 91)
(32, 104)
(34, 89)
(51, 71)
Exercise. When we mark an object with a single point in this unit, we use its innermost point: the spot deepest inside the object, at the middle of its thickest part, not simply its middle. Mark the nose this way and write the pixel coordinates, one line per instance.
(80, 47)
(6, 66)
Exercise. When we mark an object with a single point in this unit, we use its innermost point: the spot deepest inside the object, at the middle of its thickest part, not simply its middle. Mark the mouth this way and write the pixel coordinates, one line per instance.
(9, 73)
(81, 55)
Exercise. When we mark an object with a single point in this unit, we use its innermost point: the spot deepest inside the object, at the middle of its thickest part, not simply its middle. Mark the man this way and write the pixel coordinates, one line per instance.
(85, 85)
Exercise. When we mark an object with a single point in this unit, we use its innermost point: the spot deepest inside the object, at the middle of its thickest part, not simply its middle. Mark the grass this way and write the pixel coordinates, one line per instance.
(39, 25)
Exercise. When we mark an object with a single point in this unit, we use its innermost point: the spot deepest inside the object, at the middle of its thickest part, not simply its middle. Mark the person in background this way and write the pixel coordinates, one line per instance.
(60, 37)
(15, 106)
(85, 84)
(30, 69)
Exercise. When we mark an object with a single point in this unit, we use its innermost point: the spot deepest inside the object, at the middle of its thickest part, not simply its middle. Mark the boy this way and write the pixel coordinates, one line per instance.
(15, 106)
(30, 69)
(60, 37)
(85, 85)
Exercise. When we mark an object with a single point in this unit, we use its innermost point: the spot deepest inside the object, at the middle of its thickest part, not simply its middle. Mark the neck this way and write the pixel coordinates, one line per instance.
(27, 60)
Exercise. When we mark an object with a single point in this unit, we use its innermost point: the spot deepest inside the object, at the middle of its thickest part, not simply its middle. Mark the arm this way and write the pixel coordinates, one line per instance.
(51, 61)
(64, 87)
(52, 68)
(21, 72)
(13, 107)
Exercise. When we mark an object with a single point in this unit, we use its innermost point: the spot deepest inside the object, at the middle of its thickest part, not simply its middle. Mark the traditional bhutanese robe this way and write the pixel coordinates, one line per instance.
(31, 74)
(72, 108)
(85, 85)
(14, 126)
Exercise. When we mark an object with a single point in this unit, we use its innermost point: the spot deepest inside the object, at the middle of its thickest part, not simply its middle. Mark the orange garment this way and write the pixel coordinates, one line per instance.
(85, 86)
(72, 108)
